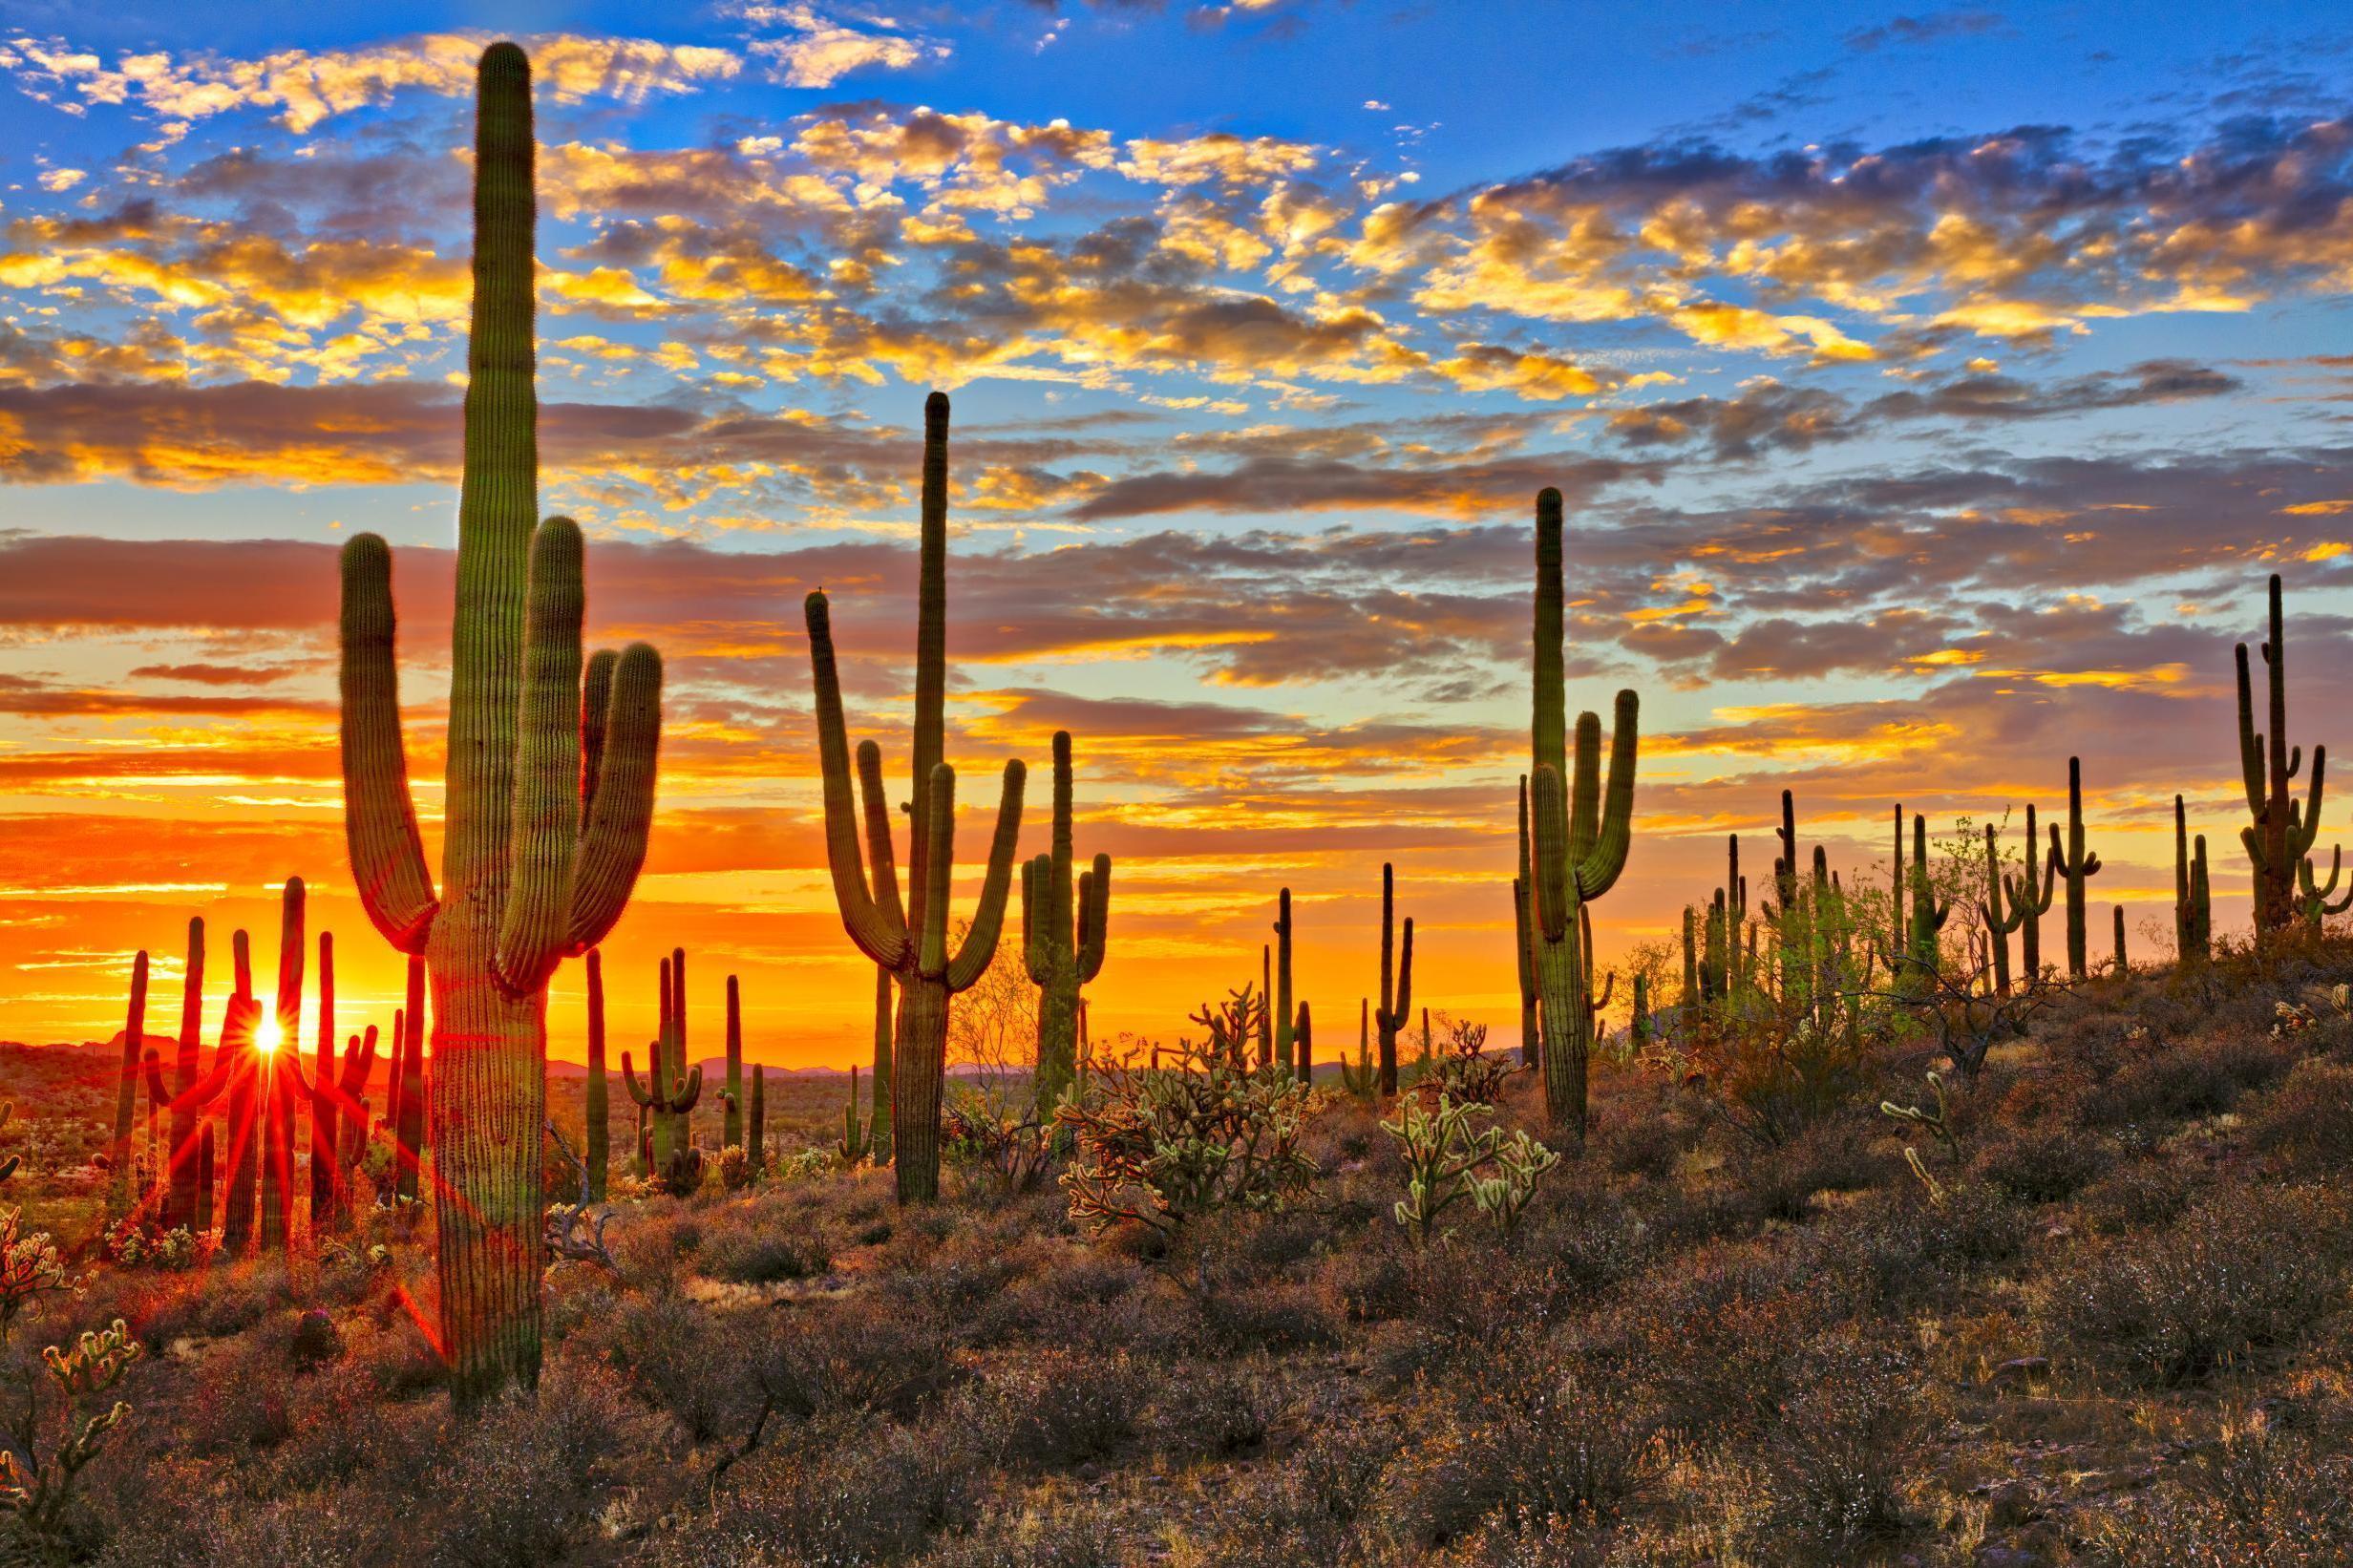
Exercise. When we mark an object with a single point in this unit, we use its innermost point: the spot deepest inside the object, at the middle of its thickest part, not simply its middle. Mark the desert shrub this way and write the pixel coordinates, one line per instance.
(1646, 1146)
(1220, 1411)
(1307, 1508)
(522, 1480)
(1715, 1343)
(2244, 1272)
(1836, 1466)
(1069, 1537)
(1066, 1289)
(1157, 1147)
(681, 1360)
(747, 1254)
(1280, 1315)
(2046, 1166)
(2259, 1499)
(1902, 1246)
(2308, 1120)
(2141, 1195)
(847, 1357)
(1053, 1408)
(2202, 1078)
(1781, 1179)
(859, 1495)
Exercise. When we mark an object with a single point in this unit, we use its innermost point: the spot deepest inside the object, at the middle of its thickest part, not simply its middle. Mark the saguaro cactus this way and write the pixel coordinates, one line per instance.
(1284, 1049)
(1396, 979)
(2074, 864)
(1063, 947)
(2282, 833)
(732, 1098)
(549, 786)
(180, 1197)
(756, 1134)
(913, 945)
(597, 1136)
(1581, 838)
(1302, 1041)
(1899, 895)
(323, 1140)
(671, 1088)
(1999, 925)
(2193, 920)
(2027, 907)
(118, 1188)
(2312, 899)
(278, 1068)
(1928, 914)
(409, 1122)
(1523, 941)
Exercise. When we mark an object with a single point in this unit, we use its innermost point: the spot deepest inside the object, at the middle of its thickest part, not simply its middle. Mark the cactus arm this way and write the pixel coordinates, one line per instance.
(387, 855)
(1550, 811)
(612, 844)
(1036, 929)
(2305, 879)
(1094, 915)
(638, 1092)
(1405, 978)
(1598, 870)
(545, 837)
(2249, 739)
(980, 943)
(882, 863)
(1585, 787)
(2305, 829)
(869, 925)
(595, 699)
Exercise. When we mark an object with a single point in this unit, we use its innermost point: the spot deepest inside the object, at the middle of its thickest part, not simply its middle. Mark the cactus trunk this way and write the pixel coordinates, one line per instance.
(179, 1200)
(120, 1196)
(1062, 938)
(884, 1026)
(1396, 979)
(597, 1139)
(2075, 864)
(731, 1124)
(1285, 1035)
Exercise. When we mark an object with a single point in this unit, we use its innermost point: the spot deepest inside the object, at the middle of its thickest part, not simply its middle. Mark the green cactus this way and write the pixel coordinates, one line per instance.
(857, 1141)
(119, 1194)
(1638, 1025)
(1928, 914)
(757, 1131)
(598, 1134)
(2123, 966)
(2193, 920)
(885, 995)
(2282, 834)
(1999, 925)
(324, 1140)
(732, 1097)
(671, 1088)
(1581, 838)
(1284, 1034)
(1302, 1041)
(1523, 942)
(2312, 903)
(2029, 907)
(1363, 1079)
(549, 791)
(913, 945)
(1062, 944)
(1396, 979)
(2074, 864)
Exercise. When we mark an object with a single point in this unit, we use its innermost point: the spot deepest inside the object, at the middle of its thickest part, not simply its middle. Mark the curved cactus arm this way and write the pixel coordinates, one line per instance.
(2311, 888)
(1095, 917)
(387, 855)
(1609, 989)
(2304, 827)
(1599, 869)
(980, 944)
(596, 698)
(2249, 739)
(2021, 888)
(687, 1092)
(870, 926)
(534, 927)
(612, 844)
(882, 862)
(1585, 787)
(643, 1096)
(1548, 810)
(1405, 978)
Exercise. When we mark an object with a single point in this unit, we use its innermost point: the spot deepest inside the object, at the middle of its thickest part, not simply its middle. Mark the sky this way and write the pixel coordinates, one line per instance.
(1932, 391)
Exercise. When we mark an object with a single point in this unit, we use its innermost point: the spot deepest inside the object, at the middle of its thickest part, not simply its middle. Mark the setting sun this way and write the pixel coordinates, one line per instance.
(266, 1036)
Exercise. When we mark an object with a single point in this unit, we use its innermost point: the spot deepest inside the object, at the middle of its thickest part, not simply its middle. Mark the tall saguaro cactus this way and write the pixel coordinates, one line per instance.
(2282, 833)
(549, 785)
(1523, 941)
(1396, 979)
(732, 1121)
(120, 1196)
(1580, 837)
(2193, 920)
(1286, 1048)
(1063, 946)
(1923, 956)
(2027, 907)
(2075, 863)
(671, 1088)
(180, 1202)
(1998, 924)
(913, 943)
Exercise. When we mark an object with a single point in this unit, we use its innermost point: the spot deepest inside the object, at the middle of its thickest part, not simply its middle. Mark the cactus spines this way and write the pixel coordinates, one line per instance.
(2075, 863)
(2282, 833)
(126, 1087)
(549, 796)
(732, 1098)
(671, 1088)
(1062, 938)
(1580, 837)
(913, 945)
(1281, 994)
(597, 1138)
(2029, 907)
(1396, 979)
(2193, 920)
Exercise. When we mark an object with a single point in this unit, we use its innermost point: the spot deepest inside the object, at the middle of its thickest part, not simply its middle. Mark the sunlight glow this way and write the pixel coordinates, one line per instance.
(266, 1036)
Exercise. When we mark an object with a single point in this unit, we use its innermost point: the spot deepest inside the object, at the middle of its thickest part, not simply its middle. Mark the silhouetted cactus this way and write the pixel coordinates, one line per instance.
(857, 1142)
(1302, 1042)
(1062, 940)
(324, 1141)
(732, 1097)
(1928, 913)
(671, 1088)
(2027, 907)
(913, 945)
(549, 787)
(1998, 924)
(1581, 838)
(2075, 863)
(1396, 979)
(2193, 920)
(2312, 903)
(1523, 941)
(119, 1194)
(2282, 833)
(1690, 964)
(1363, 1079)
(2123, 966)
(757, 1132)
(1285, 1005)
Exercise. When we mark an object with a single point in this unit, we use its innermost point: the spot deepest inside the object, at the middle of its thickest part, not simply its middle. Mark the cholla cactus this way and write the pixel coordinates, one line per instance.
(1937, 1121)
(32, 1270)
(39, 1491)
(1445, 1156)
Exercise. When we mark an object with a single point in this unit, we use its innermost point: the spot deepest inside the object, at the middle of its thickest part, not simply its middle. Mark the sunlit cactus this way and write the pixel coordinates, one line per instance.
(597, 1136)
(2075, 864)
(671, 1088)
(2312, 899)
(1285, 1050)
(549, 785)
(1362, 1078)
(912, 944)
(1063, 938)
(2282, 834)
(119, 1194)
(324, 1137)
(2027, 906)
(1581, 838)
(1396, 981)
(405, 1093)
(732, 1097)
(2193, 920)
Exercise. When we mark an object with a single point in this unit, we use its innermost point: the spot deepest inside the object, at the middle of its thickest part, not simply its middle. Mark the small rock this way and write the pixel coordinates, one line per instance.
(2022, 1369)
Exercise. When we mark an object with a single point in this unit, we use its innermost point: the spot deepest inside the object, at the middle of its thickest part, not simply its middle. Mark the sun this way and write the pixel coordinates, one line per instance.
(265, 1038)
